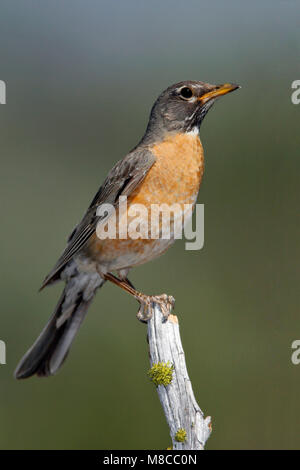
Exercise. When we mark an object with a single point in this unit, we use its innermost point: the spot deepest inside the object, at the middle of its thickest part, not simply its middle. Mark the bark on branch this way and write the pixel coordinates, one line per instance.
(184, 416)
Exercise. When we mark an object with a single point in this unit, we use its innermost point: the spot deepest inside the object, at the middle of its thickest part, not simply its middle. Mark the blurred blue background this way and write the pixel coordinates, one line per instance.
(81, 78)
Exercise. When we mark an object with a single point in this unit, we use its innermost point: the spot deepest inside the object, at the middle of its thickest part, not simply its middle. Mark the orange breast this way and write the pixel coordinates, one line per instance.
(176, 175)
(174, 178)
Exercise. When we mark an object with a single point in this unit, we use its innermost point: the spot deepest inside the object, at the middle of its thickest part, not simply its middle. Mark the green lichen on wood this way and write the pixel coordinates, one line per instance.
(161, 373)
(180, 436)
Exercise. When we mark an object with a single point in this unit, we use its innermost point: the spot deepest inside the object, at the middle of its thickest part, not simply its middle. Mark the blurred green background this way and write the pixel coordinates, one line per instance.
(81, 78)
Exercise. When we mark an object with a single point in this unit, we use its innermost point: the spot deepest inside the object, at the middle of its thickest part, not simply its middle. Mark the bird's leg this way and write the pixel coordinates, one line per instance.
(166, 302)
(138, 315)
(129, 283)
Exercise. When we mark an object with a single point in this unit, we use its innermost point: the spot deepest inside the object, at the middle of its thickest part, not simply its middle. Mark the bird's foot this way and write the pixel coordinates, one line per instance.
(147, 305)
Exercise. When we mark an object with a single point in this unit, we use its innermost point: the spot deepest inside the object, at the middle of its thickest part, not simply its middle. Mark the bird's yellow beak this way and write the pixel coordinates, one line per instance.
(219, 90)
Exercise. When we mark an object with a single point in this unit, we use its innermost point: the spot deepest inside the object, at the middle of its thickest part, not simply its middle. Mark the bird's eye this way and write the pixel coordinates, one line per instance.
(186, 93)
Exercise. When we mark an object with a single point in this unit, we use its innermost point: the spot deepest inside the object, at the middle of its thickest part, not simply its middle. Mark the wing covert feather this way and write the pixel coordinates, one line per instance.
(123, 178)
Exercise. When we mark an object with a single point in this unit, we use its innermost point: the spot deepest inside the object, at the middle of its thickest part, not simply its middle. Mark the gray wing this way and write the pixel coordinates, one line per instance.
(123, 178)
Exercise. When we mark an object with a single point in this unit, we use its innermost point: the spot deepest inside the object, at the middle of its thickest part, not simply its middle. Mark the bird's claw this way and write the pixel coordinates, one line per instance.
(147, 306)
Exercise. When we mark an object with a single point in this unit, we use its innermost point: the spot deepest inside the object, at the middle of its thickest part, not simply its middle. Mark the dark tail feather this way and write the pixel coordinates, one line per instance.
(50, 349)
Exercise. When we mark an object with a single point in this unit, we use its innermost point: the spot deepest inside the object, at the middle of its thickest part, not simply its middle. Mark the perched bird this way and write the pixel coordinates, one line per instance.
(165, 167)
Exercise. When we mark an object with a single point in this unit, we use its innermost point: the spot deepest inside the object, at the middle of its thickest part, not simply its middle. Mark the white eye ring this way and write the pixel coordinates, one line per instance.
(186, 93)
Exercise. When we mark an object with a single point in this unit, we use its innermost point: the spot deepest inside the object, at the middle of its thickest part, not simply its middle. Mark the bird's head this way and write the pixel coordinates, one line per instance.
(183, 106)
